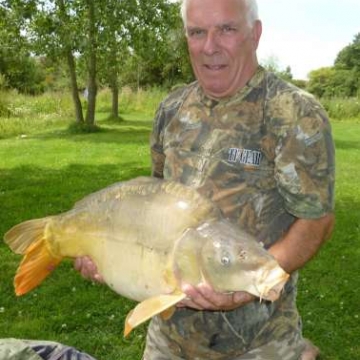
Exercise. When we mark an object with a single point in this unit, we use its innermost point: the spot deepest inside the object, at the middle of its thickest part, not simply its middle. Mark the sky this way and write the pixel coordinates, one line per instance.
(306, 34)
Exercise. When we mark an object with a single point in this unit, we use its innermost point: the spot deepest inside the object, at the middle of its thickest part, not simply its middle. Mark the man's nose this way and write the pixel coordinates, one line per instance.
(211, 44)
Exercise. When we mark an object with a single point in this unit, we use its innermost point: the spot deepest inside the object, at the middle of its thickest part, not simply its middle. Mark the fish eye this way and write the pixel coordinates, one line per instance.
(225, 260)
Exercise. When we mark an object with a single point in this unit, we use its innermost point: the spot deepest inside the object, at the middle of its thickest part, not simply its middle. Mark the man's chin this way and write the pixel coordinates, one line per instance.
(215, 91)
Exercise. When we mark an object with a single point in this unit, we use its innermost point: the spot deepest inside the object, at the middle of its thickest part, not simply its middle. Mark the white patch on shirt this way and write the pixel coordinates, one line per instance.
(189, 122)
(245, 156)
(306, 138)
(290, 177)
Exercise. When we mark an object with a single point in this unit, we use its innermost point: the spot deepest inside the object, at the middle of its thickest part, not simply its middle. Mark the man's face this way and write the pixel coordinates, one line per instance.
(222, 45)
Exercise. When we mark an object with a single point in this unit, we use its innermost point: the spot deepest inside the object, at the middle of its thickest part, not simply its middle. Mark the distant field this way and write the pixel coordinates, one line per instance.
(45, 172)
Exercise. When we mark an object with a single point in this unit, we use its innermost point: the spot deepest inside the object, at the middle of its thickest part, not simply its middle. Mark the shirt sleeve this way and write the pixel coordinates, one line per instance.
(305, 166)
(165, 113)
(156, 145)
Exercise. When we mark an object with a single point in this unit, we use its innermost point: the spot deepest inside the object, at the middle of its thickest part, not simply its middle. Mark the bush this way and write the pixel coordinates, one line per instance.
(141, 101)
(24, 74)
(23, 114)
(342, 108)
(4, 104)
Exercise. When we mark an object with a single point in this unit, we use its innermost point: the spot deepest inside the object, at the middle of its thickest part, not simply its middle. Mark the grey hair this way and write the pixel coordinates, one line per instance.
(251, 16)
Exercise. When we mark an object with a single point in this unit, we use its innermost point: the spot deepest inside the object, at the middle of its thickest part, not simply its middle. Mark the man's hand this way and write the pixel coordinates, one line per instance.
(203, 297)
(87, 269)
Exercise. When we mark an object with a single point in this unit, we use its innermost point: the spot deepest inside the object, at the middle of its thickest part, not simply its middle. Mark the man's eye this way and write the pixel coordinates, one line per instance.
(227, 29)
(196, 33)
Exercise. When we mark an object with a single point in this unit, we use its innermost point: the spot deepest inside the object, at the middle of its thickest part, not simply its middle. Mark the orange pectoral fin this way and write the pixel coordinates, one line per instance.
(168, 313)
(151, 307)
(36, 265)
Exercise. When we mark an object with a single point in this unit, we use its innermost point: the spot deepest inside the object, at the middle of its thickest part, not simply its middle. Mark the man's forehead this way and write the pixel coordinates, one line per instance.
(220, 24)
(209, 13)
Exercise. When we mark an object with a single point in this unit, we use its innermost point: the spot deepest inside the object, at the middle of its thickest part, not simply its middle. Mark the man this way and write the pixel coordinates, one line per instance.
(262, 150)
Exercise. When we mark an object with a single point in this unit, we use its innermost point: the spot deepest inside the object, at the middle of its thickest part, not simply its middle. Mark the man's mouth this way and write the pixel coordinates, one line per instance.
(214, 67)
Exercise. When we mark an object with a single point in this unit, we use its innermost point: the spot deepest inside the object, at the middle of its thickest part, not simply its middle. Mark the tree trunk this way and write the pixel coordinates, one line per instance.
(71, 64)
(92, 47)
(114, 81)
(74, 88)
(115, 100)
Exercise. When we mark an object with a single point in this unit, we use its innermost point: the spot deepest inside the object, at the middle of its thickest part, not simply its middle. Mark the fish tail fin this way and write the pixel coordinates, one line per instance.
(28, 238)
(23, 235)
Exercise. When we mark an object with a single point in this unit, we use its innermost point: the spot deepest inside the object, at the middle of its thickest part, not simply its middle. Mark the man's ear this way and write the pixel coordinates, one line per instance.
(256, 33)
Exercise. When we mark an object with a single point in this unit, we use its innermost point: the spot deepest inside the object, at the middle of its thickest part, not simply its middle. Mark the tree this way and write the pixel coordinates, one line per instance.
(331, 82)
(136, 44)
(92, 59)
(61, 29)
(64, 46)
(320, 81)
(19, 69)
(113, 41)
(272, 64)
(49, 29)
(349, 57)
(343, 79)
(348, 64)
(157, 51)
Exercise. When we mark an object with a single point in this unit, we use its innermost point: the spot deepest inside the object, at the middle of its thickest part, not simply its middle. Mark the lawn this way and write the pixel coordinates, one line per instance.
(329, 285)
(45, 172)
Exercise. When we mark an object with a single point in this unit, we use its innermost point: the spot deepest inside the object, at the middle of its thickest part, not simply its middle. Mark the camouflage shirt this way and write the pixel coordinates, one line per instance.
(265, 156)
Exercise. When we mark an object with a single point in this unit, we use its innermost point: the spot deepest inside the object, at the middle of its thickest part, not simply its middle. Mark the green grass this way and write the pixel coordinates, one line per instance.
(48, 170)
(22, 115)
(45, 173)
(329, 287)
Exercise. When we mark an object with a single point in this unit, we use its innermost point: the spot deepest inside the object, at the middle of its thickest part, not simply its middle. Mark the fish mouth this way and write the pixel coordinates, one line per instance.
(273, 285)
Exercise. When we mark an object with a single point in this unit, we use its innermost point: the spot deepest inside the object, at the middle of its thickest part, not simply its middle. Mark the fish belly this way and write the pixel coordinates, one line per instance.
(139, 230)
(137, 272)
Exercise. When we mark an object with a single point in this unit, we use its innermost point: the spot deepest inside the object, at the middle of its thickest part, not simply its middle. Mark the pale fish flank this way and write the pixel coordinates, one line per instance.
(147, 236)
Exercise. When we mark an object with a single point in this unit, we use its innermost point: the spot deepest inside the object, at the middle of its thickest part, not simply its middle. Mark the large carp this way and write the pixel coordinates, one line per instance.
(146, 237)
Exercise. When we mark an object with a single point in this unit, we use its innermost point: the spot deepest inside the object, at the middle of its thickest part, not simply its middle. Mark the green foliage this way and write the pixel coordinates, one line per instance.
(138, 43)
(145, 101)
(150, 46)
(341, 80)
(272, 64)
(319, 81)
(3, 82)
(24, 74)
(24, 115)
(329, 81)
(349, 57)
(342, 108)
(302, 84)
(18, 69)
(135, 43)
(4, 104)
